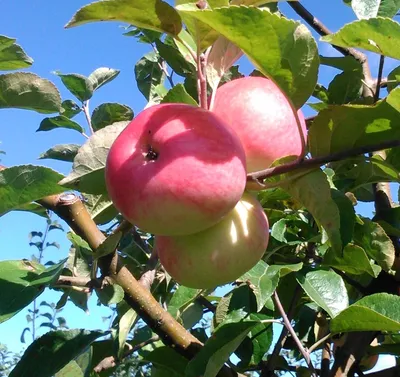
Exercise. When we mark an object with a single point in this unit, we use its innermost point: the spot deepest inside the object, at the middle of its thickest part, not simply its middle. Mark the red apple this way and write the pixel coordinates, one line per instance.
(175, 169)
(262, 117)
(220, 254)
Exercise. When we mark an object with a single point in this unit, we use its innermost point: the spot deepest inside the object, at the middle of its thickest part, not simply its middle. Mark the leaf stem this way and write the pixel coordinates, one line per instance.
(379, 78)
(85, 109)
(319, 343)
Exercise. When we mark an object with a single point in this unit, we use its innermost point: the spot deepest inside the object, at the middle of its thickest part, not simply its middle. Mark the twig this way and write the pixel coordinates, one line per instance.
(296, 339)
(85, 109)
(202, 80)
(319, 343)
(379, 79)
(207, 304)
(321, 160)
(78, 281)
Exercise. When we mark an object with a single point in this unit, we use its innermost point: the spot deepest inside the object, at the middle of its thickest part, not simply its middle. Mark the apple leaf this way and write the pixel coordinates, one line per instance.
(102, 76)
(347, 215)
(281, 49)
(108, 246)
(28, 91)
(393, 79)
(110, 294)
(373, 8)
(21, 282)
(379, 312)
(61, 152)
(326, 289)
(60, 121)
(88, 168)
(52, 351)
(150, 77)
(80, 86)
(313, 192)
(69, 108)
(264, 279)
(376, 243)
(34, 208)
(181, 298)
(125, 323)
(329, 132)
(20, 185)
(178, 94)
(379, 35)
(222, 56)
(12, 56)
(100, 208)
(147, 14)
(168, 360)
(353, 260)
(109, 113)
(72, 369)
(216, 351)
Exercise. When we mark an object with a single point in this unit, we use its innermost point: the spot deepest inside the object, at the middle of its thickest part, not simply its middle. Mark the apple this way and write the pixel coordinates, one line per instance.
(175, 169)
(262, 117)
(220, 254)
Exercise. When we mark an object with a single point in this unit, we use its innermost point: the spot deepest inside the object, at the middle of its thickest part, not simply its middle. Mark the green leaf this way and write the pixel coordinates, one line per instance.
(167, 359)
(80, 86)
(127, 320)
(264, 279)
(28, 91)
(61, 121)
(61, 152)
(376, 243)
(21, 282)
(372, 8)
(353, 260)
(88, 169)
(346, 87)
(379, 35)
(100, 208)
(109, 113)
(150, 77)
(347, 215)
(326, 289)
(110, 294)
(377, 312)
(147, 14)
(72, 369)
(102, 76)
(394, 76)
(12, 56)
(69, 108)
(181, 298)
(51, 352)
(35, 208)
(23, 184)
(108, 246)
(289, 52)
(216, 351)
(178, 94)
(344, 63)
(313, 192)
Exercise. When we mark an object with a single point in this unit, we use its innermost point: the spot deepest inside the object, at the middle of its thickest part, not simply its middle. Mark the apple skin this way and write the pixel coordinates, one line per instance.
(259, 112)
(220, 254)
(175, 169)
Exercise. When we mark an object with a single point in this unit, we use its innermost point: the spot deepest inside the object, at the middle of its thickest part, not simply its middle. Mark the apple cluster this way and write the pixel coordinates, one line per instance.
(179, 172)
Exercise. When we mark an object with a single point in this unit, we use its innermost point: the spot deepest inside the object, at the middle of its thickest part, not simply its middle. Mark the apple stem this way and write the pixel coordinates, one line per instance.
(202, 81)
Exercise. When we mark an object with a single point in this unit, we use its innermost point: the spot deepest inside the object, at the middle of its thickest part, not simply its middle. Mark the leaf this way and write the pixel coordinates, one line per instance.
(216, 351)
(102, 76)
(72, 369)
(181, 298)
(150, 77)
(372, 8)
(108, 246)
(288, 55)
(127, 320)
(110, 294)
(28, 91)
(393, 79)
(100, 208)
(264, 279)
(378, 312)
(346, 87)
(35, 208)
(353, 260)
(222, 56)
(109, 113)
(313, 192)
(69, 108)
(51, 352)
(347, 215)
(61, 121)
(147, 14)
(88, 169)
(20, 185)
(80, 86)
(167, 359)
(12, 56)
(21, 282)
(61, 152)
(379, 35)
(178, 94)
(376, 243)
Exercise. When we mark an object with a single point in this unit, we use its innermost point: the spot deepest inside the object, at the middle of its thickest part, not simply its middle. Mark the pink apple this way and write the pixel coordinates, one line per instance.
(219, 254)
(263, 119)
(175, 169)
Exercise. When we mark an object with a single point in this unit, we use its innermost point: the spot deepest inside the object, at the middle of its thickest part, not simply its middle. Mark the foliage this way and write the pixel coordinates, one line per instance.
(328, 269)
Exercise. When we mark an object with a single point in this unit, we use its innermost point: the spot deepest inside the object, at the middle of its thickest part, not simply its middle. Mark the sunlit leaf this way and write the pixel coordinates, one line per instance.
(12, 56)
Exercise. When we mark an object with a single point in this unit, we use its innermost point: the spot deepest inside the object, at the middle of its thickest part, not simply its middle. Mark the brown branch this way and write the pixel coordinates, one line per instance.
(321, 160)
(78, 281)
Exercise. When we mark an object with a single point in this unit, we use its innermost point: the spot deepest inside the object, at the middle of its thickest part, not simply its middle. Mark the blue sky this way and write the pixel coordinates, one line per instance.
(38, 27)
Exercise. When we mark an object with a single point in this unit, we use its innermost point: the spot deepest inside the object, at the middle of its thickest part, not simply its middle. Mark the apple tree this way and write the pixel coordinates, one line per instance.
(322, 297)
